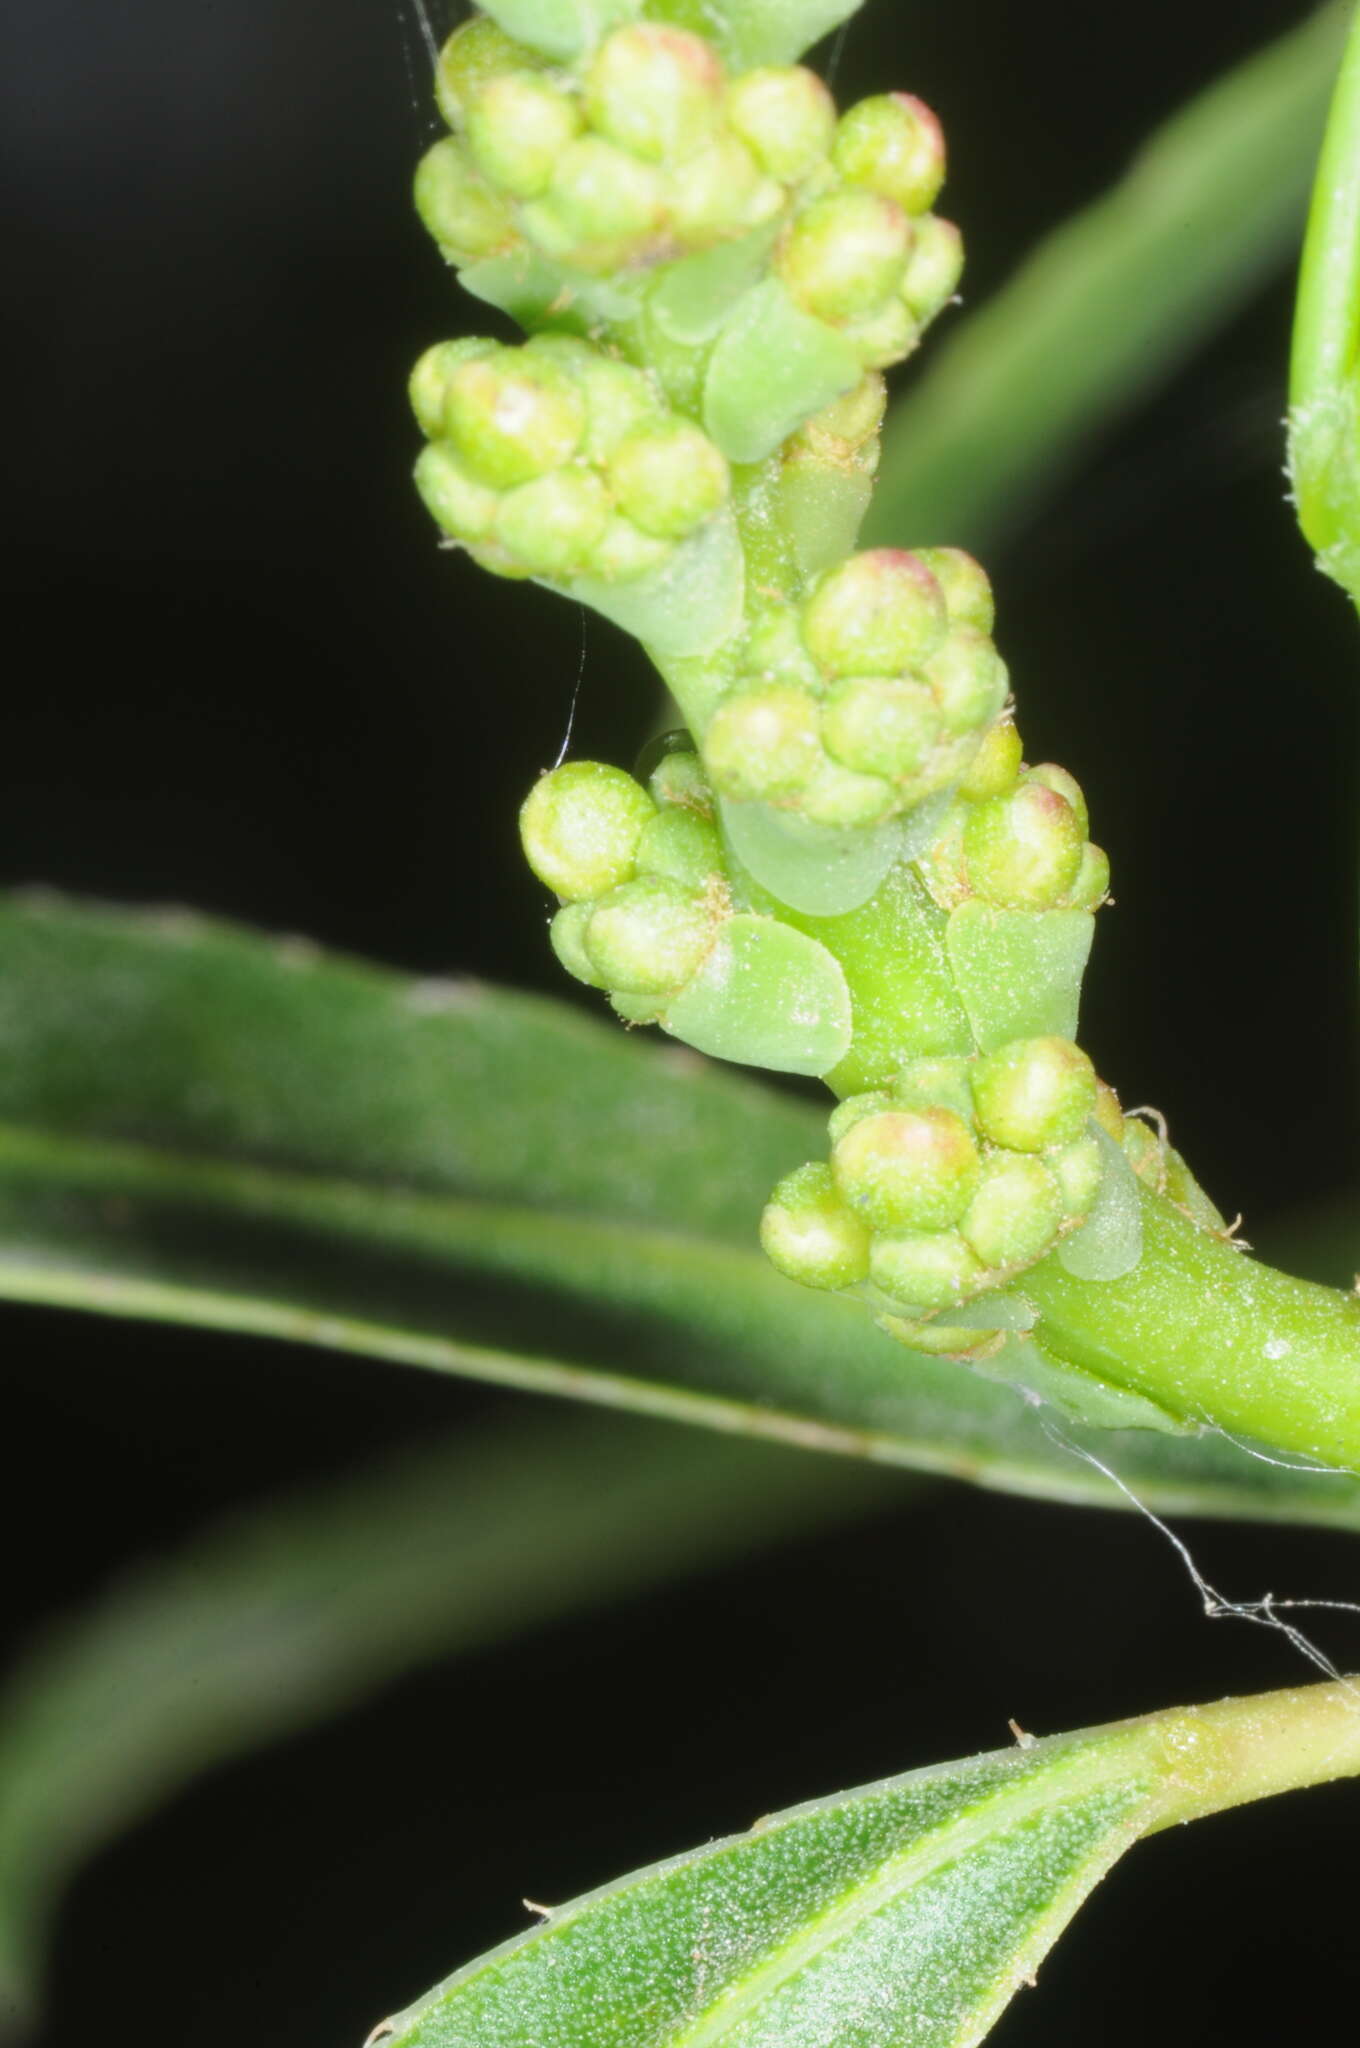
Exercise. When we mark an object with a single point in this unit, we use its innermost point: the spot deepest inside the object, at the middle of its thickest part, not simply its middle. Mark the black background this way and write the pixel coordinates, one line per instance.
(242, 676)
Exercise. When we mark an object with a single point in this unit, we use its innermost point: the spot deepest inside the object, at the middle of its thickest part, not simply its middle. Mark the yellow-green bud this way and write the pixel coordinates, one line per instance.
(464, 508)
(935, 1083)
(847, 423)
(1079, 1168)
(513, 416)
(429, 382)
(763, 743)
(967, 589)
(473, 55)
(968, 678)
(1050, 776)
(580, 826)
(908, 1169)
(1023, 851)
(930, 1269)
(775, 649)
(464, 215)
(885, 336)
(933, 268)
(654, 90)
(626, 552)
(893, 145)
(649, 936)
(843, 798)
(1016, 1213)
(567, 936)
(669, 478)
(602, 209)
(682, 845)
(1108, 1113)
(785, 116)
(721, 190)
(517, 128)
(809, 1233)
(619, 400)
(853, 1110)
(1092, 885)
(995, 767)
(1033, 1093)
(678, 778)
(881, 725)
(874, 615)
(846, 254)
(554, 524)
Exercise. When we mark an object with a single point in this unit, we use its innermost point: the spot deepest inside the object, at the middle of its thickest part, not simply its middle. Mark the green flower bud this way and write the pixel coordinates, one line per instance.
(602, 209)
(843, 799)
(1033, 1093)
(893, 145)
(995, 767)
(908, 1169)
(1078, 1168)
(465, 509)
(517, 127)
(1145, 1151)
(843, 427)
(554, 524)
(626, 552)
(512, 417)
(936, 1083)
(874, 615)
(968, 678)
(854, 1109)
(967, 590)
(1023, 851)
(650, 935)
(679, 779)
(636, 1009)
(1050, 776)
(885, 336)
(775, 649)
(567, 935)
(429, 383)
(933, 268)
(846, 254)
(580, 826)
(1108, 1113)
(720, 191)
(929, 1269)
(1016, 1213)
(619, 400)
(786, 116)
(463, 214)
(809, 1233)
(669, 478)
(682, 845)
(654, 90)
(764, 742)
(1092, 885)
(473, 55)
(883, 725)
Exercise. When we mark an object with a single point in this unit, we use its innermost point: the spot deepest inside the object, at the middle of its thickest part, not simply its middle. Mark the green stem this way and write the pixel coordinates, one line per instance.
(1323, 389)
(1238, 1750)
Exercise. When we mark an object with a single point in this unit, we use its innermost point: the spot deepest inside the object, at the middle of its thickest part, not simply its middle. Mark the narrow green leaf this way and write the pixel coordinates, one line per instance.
(204, 1127)
(1112, 301)
(902, 1915)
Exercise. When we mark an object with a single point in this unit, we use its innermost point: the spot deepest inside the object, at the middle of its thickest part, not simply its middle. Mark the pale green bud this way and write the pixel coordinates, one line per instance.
(786, 116)
(1050, 776)
(763, 743)
(874, 615)
(854, 1109)
(1108, 1113)
(968, 678)
(775, 649)
(669, 478)
(933, 268)
(580, 826)
(843, 798)
(1079, 1168)
(908, 1169)
(626, 552)
(846, 254)
(885, 336)
(464, 215)
(636, 1009)
(512, 416)
(517, 128)
(679, 779)
(1016, 1213)
(619, 400)
(462, 506)
(1033, 1093)
(567, 935)
(720, 191)
(809, 1233)
(1023, 850)
(429, 384)
(650, 935)
(602, 209)
(995, 767)
(881, 725)
(967, 589)
(893, 145)
(1145, 1151)
(930, 1269)
(554, 524)
(848, 423)
(654, 90)
(682, 845)
(473, 55)
(1092, 885)
(943, 1082)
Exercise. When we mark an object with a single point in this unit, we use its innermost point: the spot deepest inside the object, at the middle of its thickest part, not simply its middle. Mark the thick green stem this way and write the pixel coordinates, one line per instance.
(1238, 1750)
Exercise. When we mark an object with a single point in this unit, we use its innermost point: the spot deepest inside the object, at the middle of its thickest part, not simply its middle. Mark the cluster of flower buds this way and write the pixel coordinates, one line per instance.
(870, 695)
(1015, 837)
(948, 1183)
(557, 460)
(644, 150)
